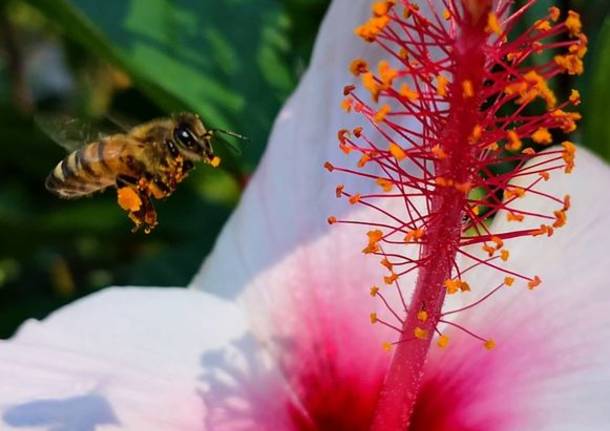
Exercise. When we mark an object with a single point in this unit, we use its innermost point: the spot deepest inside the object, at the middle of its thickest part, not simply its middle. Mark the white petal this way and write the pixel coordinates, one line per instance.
(551, 369)
(291, 195)
(136, 359)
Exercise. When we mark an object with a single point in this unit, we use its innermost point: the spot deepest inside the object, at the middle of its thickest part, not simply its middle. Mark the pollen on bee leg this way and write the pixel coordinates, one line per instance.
(129, 199)
(215, 162)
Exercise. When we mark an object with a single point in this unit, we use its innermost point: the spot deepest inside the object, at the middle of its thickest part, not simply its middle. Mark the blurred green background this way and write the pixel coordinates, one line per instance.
(232, 61)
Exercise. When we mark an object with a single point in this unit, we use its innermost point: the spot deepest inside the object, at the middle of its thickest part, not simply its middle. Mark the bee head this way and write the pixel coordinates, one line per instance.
(192, 138)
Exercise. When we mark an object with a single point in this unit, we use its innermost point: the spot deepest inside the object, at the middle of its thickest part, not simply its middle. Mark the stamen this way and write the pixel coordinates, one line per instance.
(455, 100)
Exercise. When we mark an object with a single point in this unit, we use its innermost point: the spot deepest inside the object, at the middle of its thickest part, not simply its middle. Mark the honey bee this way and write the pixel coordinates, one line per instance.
(146, 162)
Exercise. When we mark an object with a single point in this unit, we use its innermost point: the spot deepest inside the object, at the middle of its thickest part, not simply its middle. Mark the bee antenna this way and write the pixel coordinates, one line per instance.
(230, 133)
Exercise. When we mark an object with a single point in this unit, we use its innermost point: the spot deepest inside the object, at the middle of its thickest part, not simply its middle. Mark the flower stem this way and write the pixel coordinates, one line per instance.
(444, 230)
(403, 379)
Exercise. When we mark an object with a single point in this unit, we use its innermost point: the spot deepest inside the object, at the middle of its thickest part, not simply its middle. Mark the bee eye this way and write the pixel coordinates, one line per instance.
(184, 136)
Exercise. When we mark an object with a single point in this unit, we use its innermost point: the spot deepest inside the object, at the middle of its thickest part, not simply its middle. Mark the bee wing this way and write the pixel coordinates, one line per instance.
(71, 133)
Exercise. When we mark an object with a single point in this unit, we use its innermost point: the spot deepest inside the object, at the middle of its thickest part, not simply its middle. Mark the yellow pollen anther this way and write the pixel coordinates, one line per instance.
(570, 63)
(381, 114)
(476, 134)
(363, 160)
(370, 84)
(561, 219)
(390, 278)
(498, 242)
(490, 344)
(493, 146)
(509, 281)
(464, 187)
(529, 151)
(387, 264)
(545, 175)
(129, 199)
(374, 238)
(543, 230)
(535, 282)
(331, 220)
(354, 199)
(373, 318)
(514, 192)
(467, 89)
(443, 182)
(347, 104)
(532, 86)
(438, 152)
(573, 23)
(514, 142)
(456, 285)
(542, 136)
(396, 151)
(414, 235)
(386, 74)
(504, 255)
(514, 217)
(374, 291)
(385, 184)
(493, 25)
(442, 85)
(446, 14)
(542, 25)
(554, 13)
(575, 97)
(422, 315)
(442, 341)
(381, 8)
(370, 29)
(407, 93)
(387, 346)
(358, 66)
(569, 155)
(420, 333)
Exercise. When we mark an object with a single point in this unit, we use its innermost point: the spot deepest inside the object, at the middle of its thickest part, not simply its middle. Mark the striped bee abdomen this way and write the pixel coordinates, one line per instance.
(82, 172)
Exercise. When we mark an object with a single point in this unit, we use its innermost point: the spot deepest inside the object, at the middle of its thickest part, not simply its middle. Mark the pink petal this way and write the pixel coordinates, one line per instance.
(551, 368)
(138, 359)
(290, 196)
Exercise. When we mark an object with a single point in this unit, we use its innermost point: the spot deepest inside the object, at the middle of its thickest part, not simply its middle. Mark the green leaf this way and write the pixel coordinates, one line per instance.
(597, 126)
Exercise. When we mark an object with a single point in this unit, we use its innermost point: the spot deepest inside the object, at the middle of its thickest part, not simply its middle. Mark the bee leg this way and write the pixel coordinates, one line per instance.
(161, 189)
(145, 216)
(126, 181)
(137, 203)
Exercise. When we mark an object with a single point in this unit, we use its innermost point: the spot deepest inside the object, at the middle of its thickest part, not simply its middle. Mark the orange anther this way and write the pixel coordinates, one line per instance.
(354, 199)
(397, 151)
(535, 282)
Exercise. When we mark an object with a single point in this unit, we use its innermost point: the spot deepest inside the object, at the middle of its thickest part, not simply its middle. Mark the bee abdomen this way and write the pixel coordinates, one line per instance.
(79, 174)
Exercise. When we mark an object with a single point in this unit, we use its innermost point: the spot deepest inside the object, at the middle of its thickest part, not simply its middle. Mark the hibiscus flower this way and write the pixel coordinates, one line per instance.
(274, 332)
